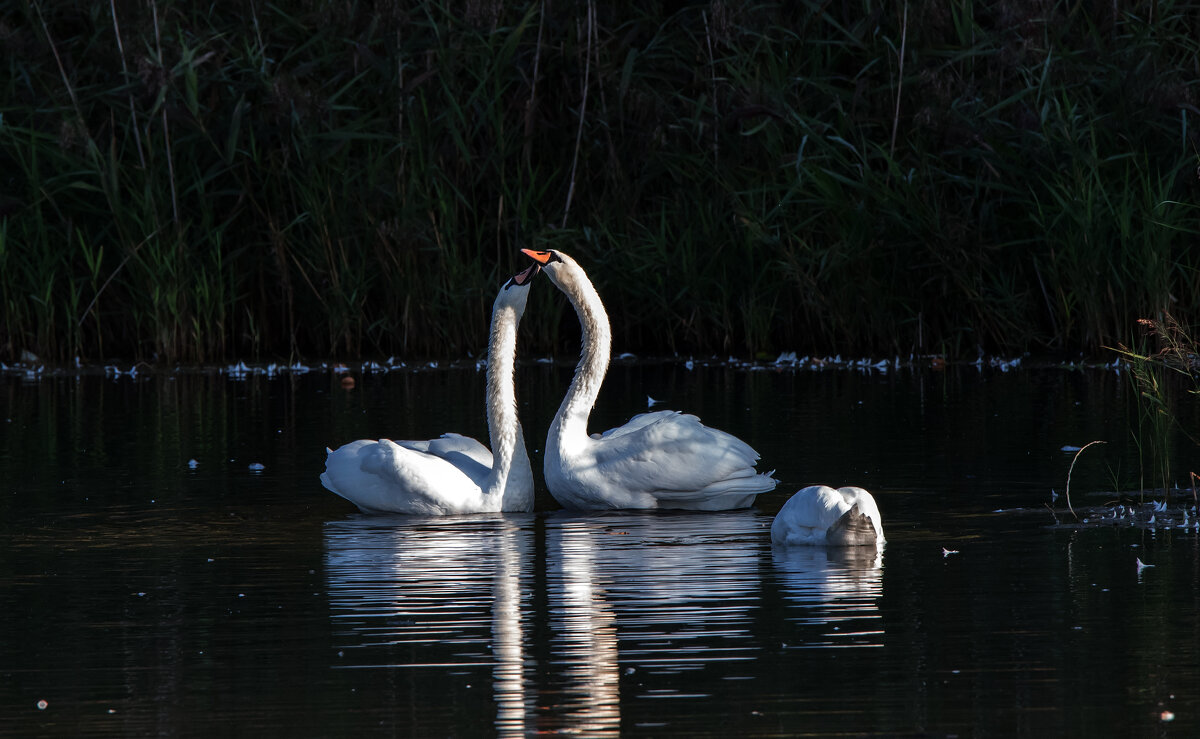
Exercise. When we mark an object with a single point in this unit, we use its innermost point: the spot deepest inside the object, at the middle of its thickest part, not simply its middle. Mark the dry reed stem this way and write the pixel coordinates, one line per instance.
(532, 102)
(1071, 469)
(61, 69)
(712, 66)
(166, 128)
(899, 81)
(587, 69)
(137, 136)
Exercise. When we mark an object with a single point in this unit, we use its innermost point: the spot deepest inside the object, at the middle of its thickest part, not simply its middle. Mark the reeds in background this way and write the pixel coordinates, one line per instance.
(1164, 365)
(196, 182)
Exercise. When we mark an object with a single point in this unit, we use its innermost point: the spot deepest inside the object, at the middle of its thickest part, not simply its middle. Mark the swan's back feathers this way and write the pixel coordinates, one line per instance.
(385, 477)
(680, 462)
(463, 452)
(636, 423)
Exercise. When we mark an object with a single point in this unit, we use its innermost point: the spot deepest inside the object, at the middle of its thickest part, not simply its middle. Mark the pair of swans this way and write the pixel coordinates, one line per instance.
(664, 459)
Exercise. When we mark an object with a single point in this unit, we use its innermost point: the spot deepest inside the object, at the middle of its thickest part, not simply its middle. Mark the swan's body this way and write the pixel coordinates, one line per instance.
(453, 474)
(664, 459)
(821, 515)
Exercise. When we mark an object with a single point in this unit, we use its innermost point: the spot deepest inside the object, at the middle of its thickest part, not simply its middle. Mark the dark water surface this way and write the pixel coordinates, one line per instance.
(140, 594)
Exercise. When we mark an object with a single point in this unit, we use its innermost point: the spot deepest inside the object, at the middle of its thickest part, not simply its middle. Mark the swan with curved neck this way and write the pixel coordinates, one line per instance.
(664, 459)
(452, 474)
(820, 515)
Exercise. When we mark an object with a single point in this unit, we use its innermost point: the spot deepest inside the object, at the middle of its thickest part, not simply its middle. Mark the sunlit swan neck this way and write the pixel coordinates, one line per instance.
(662, 459)
(452, 474)
(504, 428)
(572, 419)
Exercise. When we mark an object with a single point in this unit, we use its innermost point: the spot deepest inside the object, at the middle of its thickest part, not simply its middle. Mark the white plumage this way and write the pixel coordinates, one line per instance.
(663, 459)
(820, 515)
(452, 474)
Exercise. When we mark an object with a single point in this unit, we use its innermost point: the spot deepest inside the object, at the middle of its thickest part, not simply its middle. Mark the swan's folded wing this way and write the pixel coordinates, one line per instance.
(675, 457)
(463, 452)
(383, 476)
(639, 421)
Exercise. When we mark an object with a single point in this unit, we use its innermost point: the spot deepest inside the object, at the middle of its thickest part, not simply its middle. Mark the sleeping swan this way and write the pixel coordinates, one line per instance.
(820, 515)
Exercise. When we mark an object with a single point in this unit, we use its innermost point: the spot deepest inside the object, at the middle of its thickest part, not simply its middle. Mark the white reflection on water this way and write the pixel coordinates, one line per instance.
(641, 598)
(446, 591)
(836, 590)
(507, 633)
(682, 586)
(638, 606)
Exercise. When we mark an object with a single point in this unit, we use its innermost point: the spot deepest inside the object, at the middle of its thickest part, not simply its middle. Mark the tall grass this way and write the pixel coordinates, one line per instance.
(1164, 364)
(195, 182)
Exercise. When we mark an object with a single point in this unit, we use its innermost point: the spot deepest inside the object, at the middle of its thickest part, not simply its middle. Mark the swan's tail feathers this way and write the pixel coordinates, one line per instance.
(345, 475)
(853, 528)
(723, 495)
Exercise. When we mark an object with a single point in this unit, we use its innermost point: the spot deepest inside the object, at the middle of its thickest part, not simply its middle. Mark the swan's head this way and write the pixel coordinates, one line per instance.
(515, 292)
(559, 267)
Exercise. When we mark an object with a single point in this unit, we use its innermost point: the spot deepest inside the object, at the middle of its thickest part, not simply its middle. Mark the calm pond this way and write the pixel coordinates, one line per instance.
(170, 564)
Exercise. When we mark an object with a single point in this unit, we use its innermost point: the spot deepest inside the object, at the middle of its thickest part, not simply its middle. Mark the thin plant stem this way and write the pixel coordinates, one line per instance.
(1072, 469)
(137, 136)
(712, 65)
(531, 103)
(133, 251)
(62, 70)
(587, 68)
(899, 82)
(166, 128)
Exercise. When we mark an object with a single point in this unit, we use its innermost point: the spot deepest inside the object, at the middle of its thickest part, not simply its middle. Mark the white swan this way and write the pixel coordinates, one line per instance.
(663, 459)
(452, 474)
(821, 515)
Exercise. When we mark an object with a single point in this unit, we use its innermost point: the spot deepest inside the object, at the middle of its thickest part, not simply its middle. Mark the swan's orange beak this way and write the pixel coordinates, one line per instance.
(541, 257)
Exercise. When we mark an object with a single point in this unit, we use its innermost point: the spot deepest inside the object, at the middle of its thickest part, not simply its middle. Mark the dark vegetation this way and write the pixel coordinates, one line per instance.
(201, 181)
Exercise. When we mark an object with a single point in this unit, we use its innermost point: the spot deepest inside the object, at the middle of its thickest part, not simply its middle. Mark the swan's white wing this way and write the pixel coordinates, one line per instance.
(463, 452)
(679, 461)
(637, 422)
(385, 477)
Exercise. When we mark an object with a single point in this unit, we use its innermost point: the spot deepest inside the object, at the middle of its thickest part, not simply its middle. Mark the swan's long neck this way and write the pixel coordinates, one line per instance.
(570, 424)
(504, 428)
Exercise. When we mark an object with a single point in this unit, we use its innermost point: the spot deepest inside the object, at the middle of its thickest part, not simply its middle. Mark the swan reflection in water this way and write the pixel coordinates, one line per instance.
(639, 599)
(441, 594)
(837, 590)
(608, 611)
